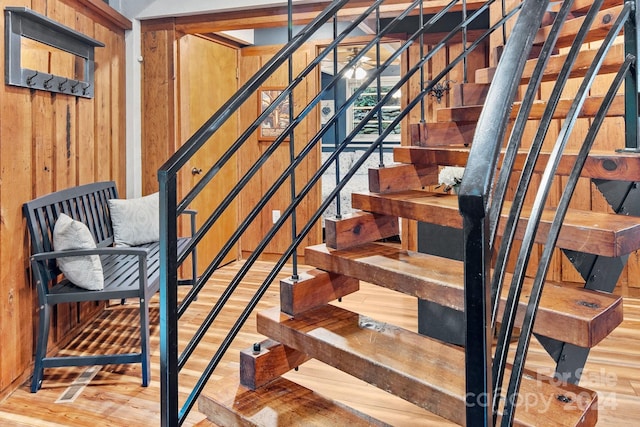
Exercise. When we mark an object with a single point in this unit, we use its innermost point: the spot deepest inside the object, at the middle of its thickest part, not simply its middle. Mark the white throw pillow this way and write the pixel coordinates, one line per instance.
(135, 221)
(83, 271)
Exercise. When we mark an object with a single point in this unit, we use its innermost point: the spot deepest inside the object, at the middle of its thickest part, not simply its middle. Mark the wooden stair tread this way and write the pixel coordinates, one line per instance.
(599, 164)
(423, 371)
(471, 113)
(582, 6)
(586, 316)
(280, 403)
(610, 64)
(602, 24)
(608, 234)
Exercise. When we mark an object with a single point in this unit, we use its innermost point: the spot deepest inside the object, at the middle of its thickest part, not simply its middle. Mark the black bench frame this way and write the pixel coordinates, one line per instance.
(130, 272)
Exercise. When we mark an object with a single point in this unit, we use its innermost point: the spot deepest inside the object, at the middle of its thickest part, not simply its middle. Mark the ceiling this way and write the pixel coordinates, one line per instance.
(367, 61)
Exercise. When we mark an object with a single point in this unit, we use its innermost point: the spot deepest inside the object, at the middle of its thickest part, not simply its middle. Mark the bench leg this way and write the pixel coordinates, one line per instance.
(41, 346)
(144, 341)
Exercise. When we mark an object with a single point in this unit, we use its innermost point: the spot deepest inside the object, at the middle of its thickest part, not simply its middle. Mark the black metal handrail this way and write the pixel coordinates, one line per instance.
(291, 208)
(483, 191)
(474, 197)
(171, 361)
(171, 308)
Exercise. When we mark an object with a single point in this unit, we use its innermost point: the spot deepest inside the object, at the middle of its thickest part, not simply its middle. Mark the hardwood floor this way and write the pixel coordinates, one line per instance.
(114, 396)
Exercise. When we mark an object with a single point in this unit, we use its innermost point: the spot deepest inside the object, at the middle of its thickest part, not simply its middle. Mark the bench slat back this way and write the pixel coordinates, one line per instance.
(86, 203)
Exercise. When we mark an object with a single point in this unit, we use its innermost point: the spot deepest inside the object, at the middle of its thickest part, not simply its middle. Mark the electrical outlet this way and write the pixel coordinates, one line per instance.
(275, 215)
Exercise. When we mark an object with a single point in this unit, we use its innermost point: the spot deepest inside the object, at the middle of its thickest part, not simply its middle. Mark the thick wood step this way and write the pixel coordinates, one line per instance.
(599, 164)
(603, 23)
(608, 234)
(423, 371)
(586, 316)
(610, 64)
(281, 403)
(442, 133)
(581, 7)
(470, 114)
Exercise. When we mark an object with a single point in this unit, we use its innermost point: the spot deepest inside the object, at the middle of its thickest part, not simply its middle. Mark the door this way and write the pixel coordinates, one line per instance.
(207, 79)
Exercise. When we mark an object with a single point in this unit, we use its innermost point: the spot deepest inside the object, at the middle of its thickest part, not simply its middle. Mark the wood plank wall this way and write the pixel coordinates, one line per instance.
(49, 142)
(252, 59)
(164, 129)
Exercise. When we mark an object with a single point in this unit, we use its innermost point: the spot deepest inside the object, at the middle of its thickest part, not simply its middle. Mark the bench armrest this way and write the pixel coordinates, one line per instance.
(192, 217)
(43, 256)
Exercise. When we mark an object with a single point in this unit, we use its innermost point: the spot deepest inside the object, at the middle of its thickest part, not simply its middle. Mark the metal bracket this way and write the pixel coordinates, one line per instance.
(21, 22)
(599, 272)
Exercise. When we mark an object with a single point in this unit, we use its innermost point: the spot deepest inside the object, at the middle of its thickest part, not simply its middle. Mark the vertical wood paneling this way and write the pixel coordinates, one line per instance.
(251, 60)
(249, 154)
(158, 114)
(85, 126)
(104, 142)
(15, 163)
(48, 144)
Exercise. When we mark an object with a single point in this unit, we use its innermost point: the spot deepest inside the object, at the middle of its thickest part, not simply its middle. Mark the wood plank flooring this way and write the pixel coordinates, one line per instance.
(114, 397)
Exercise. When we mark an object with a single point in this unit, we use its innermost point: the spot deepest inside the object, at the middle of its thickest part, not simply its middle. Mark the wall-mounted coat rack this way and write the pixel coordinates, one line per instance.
(25, 28)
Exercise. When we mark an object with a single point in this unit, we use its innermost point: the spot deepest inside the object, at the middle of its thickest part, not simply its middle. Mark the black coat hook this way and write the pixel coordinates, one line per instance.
(46, 83)
(30, 79)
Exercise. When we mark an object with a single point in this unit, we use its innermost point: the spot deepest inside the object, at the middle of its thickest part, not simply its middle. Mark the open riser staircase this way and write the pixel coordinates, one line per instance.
(479, 309)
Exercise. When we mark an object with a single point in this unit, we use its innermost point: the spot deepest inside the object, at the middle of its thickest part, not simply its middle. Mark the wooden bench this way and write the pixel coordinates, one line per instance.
(129, 272)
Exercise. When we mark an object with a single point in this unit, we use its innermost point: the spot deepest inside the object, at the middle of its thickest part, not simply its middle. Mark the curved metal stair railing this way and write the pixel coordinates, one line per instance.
(476, 192)
(482, 194)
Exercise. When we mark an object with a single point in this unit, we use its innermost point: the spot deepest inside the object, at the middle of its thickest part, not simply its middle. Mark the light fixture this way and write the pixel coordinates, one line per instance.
(358, 70)
(440, 89)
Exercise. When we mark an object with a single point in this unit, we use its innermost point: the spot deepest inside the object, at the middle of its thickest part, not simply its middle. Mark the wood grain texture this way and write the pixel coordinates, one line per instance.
(158, 115)
(611, 369)
(610, 64)
(586, 231)
(359, 227)
(600, 164)
(587, 317)
(50, 142)
(273, 166)
(281, 403)
(203, 68)
(259, 366)
(398, 177)
(423, 371)
(601, 26)
(468, 94)
(471, 113)
(314, 288)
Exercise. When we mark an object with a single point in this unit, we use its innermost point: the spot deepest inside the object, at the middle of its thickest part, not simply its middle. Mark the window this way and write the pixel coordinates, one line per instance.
(365, 103)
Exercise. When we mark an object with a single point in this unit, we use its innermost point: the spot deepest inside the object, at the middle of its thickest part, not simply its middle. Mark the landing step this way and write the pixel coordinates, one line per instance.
(281, 403)
(586, 316)
(418, 369)
(609, 234)
(599, 164)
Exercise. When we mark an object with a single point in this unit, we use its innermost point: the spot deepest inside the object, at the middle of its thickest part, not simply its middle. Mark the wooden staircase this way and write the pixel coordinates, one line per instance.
(414, 366)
